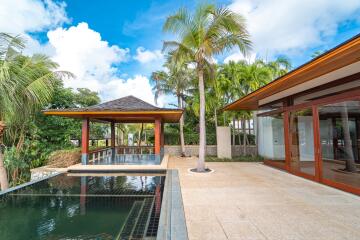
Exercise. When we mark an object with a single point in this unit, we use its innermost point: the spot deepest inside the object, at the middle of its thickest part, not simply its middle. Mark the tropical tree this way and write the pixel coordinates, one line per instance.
(175, 81)
(207, 32)
(85, 97)
(317, 53)
(279, 66)
(158, 79)
(26, 85)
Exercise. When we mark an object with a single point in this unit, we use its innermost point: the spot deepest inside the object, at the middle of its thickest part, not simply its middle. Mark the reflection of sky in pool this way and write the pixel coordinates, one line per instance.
(72, 207)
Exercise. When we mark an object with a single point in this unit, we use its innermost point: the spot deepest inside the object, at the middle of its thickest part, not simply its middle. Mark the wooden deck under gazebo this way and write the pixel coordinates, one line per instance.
(123, 110)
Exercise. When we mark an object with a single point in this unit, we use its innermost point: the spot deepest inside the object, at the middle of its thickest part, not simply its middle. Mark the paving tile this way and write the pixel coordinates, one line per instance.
(251, 201)
(242, 230)
(209, 230)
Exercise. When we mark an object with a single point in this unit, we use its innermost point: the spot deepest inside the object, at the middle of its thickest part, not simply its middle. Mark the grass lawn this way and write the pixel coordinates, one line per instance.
(247, 158)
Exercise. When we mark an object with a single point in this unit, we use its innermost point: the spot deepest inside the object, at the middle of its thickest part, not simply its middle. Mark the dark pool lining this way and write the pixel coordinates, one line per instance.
(172, 223)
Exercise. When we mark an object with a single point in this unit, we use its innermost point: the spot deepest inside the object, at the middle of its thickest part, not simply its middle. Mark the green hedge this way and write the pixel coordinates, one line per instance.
(193, 139)
(190, 139)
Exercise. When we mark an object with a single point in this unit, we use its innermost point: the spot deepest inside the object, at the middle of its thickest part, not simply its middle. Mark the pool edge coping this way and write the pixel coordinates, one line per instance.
(172, 223)
(29, 183)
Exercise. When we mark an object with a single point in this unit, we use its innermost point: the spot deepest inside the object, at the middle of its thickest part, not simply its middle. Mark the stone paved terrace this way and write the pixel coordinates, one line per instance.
(251, 201)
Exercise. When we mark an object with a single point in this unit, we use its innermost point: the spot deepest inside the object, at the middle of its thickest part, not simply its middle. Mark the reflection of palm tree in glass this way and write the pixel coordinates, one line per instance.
(349, 158)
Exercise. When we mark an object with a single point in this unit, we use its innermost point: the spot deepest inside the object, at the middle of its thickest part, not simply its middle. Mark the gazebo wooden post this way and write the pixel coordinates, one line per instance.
(112, 127)
(85, 141)
(157, 135)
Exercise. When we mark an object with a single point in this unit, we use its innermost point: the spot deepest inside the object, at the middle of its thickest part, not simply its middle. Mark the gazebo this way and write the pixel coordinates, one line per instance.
(123, 110)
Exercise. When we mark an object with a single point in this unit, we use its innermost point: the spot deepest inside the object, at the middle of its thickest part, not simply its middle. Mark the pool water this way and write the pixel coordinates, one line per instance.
(129, 159)
(83, 207)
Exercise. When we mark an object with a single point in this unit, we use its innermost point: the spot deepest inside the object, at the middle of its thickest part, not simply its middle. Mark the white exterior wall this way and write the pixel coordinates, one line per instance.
(223, 140)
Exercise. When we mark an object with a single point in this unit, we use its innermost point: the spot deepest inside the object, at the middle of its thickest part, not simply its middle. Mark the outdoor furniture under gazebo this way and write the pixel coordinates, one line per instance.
(123, 110)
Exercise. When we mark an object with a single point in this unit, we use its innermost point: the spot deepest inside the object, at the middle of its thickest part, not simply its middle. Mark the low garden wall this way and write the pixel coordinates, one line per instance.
(193, 150)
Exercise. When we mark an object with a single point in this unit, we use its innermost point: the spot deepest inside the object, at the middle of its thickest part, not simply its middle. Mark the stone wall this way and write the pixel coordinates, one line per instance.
(238, 150)
(45, 171)
(193, 150)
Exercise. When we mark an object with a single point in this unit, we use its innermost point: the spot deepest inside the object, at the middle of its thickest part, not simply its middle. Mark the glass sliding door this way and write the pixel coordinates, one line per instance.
(339, 125)
(301, 137)
(271, 139)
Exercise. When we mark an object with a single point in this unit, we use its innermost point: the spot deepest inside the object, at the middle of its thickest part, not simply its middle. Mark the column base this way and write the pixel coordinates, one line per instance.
(84, 158)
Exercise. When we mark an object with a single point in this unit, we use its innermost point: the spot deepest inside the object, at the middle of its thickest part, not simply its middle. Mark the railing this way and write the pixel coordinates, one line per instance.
(140, 155)
(135, 149)
(100, 154)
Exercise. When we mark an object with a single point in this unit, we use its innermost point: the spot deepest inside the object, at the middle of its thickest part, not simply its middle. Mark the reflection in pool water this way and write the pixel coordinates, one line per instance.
(86, 207)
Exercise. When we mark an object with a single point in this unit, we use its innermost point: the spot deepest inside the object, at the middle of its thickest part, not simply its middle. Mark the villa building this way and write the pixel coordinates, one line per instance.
(308, 121)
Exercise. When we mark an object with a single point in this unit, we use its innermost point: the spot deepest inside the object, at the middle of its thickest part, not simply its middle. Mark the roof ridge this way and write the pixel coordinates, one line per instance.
(141, 100)
(117, 100)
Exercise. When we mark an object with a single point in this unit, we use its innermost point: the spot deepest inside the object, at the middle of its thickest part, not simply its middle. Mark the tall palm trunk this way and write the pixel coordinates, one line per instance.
(182, 141)
(202, 144)
(350, 165)
(3, 175)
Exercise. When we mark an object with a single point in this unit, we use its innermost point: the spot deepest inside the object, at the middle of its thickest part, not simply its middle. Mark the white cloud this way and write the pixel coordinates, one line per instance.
(139, 86)
(278, 26)
(78, 49)
(22, 16)
(237, 56)
(150, 60)
(146, 56)
(81, 51)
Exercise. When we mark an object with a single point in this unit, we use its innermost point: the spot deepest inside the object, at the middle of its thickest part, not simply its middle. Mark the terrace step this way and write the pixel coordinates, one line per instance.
(137, 221)
(131, 220)
(144, 219)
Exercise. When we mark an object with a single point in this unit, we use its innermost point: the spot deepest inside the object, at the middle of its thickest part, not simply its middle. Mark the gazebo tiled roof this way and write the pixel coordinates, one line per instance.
(125, 109)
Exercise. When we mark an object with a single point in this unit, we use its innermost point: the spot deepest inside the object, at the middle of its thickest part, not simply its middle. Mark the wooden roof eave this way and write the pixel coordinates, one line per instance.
(340, 56)
(121, 116)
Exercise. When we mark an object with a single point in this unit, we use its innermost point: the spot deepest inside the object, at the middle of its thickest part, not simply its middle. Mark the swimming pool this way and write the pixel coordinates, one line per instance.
(73, 206)
(128, 159)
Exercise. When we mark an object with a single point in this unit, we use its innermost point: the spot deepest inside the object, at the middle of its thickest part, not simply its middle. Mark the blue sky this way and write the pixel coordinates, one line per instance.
(113, 46)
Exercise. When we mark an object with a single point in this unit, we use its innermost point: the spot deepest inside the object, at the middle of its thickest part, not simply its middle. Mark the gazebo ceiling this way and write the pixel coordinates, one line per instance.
(123, 110)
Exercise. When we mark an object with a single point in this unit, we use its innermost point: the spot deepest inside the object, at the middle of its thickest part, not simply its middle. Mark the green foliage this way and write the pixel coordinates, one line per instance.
(190, 139)
(17, 166)
(54, 133)
(27, 85)
(85, 97)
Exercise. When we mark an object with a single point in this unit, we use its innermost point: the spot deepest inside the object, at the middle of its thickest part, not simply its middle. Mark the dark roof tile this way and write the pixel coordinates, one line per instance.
(128, 103)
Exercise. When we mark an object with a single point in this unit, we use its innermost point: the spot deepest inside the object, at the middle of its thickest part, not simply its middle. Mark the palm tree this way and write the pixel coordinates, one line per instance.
(180, 77)
(157, 78)
(175, 82)
(279, 67)
(206, 33)
(26, 85)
